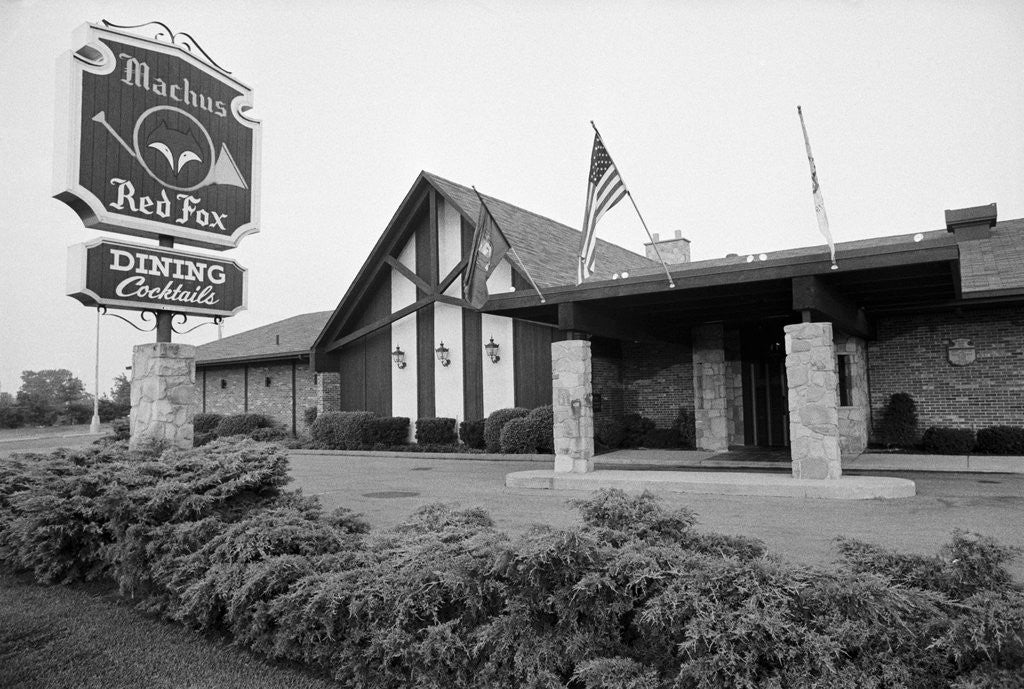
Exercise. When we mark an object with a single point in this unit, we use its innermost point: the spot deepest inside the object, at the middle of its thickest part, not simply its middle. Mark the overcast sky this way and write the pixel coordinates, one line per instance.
(912, 108)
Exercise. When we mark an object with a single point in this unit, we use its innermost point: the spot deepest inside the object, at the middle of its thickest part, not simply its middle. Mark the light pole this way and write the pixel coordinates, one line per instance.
(94, 427)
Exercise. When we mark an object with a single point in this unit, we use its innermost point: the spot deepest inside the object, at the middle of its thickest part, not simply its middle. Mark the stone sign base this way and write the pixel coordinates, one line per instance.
(163, 395)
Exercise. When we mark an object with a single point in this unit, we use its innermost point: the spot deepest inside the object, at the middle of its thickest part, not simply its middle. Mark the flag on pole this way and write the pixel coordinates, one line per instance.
(604, 190)
(489, 247)
(819, 202)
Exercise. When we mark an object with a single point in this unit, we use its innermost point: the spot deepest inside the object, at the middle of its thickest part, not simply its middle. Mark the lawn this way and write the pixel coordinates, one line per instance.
(85, 636)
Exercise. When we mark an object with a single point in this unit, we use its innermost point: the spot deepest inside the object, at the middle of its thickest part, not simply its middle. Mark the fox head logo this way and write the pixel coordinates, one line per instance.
(178, 147)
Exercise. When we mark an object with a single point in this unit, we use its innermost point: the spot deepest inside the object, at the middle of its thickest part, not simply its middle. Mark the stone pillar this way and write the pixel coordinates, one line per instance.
(710, 413)
(854, 418)
(571, 394)
(163, 395)
(813, 401)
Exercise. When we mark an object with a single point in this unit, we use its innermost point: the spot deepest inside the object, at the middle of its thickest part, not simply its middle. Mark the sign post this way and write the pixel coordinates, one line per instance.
(154, 140)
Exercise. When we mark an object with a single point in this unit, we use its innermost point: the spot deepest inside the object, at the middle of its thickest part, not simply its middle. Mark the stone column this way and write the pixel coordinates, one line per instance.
(813, 401)
(571, 394)
(709, 395)
(163, 395)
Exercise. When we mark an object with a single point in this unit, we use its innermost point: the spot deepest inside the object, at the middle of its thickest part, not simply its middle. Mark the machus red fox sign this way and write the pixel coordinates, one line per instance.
(153, 140)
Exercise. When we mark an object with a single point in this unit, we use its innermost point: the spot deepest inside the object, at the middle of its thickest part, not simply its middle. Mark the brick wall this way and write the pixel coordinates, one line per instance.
(223, 400)
(606, 372)
(910, 355)
(657, 379)
(274, 400)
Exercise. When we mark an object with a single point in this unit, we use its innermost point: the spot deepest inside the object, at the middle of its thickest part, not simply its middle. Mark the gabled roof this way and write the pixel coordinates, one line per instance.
(549, 249)
(285, 339)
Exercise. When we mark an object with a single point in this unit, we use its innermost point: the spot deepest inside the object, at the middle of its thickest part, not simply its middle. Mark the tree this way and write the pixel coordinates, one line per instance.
(119, 403)
(47, 396)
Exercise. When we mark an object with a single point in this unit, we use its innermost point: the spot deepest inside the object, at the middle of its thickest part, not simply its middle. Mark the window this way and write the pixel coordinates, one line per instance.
(845, 380)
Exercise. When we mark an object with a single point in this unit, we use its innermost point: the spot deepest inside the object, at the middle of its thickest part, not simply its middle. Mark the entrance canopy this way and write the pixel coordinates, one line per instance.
(875, 277)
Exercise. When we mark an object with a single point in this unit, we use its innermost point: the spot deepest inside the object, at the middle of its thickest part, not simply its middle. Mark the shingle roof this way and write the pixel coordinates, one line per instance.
(296, 337)
(996, 264)
(548, 248)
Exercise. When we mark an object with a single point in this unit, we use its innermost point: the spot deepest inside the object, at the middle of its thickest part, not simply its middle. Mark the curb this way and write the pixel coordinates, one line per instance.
(475, 456)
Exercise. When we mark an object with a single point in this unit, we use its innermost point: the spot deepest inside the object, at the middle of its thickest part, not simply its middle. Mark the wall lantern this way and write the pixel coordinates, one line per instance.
(442, 355)
(267, 381)
(223, 383)
(399, 357)
(492, 351)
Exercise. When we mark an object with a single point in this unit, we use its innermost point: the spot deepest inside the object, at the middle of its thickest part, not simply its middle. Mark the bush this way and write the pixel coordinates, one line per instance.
(206, 422)
(519, 436)
(662, 438)
(309, 415)
(435, 431)
(121, 428)
(898, 426)
(200, 439)
(495, 421)
(632, 596)
(625, 431)
(472, 433)
(1001, 440)
(389, 430)
(11, 416)
(687, 427)
(267, 435)
(241, 424)
(543, 420)
(343, 430)
(110, 410)
(948, 441)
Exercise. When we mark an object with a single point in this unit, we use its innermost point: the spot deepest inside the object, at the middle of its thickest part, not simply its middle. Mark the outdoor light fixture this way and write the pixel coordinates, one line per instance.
(492, 351)
(399, 357)
(223, 383)
(267, 381)
(442, 355)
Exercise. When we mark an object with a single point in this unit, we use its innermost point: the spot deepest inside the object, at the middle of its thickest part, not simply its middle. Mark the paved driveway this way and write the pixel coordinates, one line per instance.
(387, 490)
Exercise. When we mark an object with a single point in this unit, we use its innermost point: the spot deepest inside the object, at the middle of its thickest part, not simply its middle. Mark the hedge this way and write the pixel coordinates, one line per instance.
(495, 421)
(543, 420)
(1001, 440)
(206, 422)
(632, 596)
(948, 441)
(242, 424)
(391, 431)
(435, 431)
(472, 433)
(342, 430)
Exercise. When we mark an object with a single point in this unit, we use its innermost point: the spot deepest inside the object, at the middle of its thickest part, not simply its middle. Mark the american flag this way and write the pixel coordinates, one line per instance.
(819, 202)
(604, 190)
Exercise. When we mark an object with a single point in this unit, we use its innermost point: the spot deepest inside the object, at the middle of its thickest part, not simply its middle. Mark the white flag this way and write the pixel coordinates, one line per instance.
(819, 202)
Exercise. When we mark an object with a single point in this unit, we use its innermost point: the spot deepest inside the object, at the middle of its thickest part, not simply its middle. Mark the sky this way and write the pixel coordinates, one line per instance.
(911, 107)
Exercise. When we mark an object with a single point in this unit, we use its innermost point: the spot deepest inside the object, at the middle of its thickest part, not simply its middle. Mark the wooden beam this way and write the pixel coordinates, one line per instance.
(377, 325)
(454, 301)
(812, 297)
(582, 318)
(450, 277)
(407, 273)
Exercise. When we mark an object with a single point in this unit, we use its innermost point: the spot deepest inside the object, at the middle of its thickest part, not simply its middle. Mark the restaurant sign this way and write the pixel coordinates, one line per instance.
(152, 140)
(106, 272)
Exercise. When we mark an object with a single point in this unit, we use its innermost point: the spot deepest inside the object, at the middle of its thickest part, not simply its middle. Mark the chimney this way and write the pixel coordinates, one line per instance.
(971, 223)
(675, 250)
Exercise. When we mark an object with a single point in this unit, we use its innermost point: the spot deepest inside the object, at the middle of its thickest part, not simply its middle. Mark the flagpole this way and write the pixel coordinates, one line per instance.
(510, 247)
(816, 189)
(671, 282)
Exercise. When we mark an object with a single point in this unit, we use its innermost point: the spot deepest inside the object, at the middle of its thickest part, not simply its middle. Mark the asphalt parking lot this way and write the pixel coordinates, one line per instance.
(387, 490)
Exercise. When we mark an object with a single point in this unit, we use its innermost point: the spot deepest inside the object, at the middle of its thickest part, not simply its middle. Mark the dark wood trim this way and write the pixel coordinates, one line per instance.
(813, 297)
(450, 277)
(245, 389)
(425, 405)
(294, 394)
(408, 274)
(383, 322)
(531, 356)
(454, 301)
(204, 391)
(472, 340)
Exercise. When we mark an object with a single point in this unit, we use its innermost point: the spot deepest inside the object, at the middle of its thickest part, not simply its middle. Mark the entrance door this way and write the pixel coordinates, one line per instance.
(765, 395)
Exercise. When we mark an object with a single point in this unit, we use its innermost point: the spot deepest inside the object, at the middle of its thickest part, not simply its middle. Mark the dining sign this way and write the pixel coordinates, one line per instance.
(112, 273)
(153, 141)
